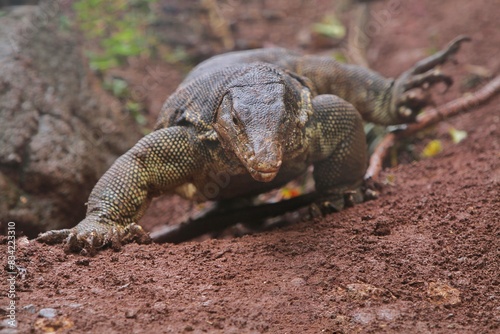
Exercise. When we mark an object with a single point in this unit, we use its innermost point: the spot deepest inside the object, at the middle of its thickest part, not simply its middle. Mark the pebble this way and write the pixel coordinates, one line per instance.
(363, 318)
(48, 313)
(160, 307)
(388, 314)
(75, 305)
(30, 308)
(297, 281)
(207, 303)
(131, 314)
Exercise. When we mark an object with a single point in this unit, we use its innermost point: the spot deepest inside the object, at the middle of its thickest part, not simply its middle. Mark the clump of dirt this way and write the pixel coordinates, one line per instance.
(421, 258)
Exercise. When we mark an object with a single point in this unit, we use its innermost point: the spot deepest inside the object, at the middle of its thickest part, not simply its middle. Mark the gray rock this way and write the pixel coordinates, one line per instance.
(48, 313)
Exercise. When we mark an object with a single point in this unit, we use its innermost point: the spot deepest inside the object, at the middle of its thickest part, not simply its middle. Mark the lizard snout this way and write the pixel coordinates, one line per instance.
(265, 164)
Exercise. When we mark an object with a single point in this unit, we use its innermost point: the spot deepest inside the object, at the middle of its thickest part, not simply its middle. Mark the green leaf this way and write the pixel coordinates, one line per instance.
(64, 22)
(136, 114)
(118, 87)
(118, 27)
(340, 57)
(174, 56)
(134, 107)
(102, 63)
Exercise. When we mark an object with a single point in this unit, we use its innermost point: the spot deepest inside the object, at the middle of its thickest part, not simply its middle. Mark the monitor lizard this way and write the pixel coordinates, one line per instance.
(246, 122)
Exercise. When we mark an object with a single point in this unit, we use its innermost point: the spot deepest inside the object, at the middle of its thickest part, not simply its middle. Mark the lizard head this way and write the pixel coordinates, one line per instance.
(251, 121)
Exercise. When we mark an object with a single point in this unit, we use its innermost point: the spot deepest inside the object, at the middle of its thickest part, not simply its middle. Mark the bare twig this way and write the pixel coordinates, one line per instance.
(431, 117)
(218, 220)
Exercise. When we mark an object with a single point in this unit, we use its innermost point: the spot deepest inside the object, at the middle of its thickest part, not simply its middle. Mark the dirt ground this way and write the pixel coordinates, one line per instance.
(423, 258)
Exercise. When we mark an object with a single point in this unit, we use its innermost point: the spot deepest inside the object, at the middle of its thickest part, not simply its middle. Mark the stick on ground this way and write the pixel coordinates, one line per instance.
(216, 221)
(430, 117)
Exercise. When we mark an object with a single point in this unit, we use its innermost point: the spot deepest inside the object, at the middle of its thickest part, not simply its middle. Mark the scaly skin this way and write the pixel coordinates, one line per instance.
(247, 122)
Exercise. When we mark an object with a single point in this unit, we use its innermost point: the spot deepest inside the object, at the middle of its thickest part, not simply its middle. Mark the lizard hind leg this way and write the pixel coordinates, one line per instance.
(340, 151)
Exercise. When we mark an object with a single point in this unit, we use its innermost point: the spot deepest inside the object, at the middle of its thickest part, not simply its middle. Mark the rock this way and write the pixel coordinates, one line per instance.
(160, 307)
(30, 308)
(131, 314)
(48, 313)
(298, 281)
(59, 130)
(363, 318)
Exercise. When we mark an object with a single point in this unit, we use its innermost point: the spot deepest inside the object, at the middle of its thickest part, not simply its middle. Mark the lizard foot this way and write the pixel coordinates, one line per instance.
(90, 235)
(408, 101)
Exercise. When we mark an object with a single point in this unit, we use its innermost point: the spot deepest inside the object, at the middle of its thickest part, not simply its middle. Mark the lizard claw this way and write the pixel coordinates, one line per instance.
(439, 57)
(331, 206)
(92, 234)
(407, 102)
(427, 79)
(336, 202)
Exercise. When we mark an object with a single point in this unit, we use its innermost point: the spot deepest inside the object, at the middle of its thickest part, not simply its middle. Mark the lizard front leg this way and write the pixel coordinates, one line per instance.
(158, 163)
(339, 149)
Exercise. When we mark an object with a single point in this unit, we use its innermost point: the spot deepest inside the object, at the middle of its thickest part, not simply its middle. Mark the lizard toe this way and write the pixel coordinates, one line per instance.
(135, 233)
(115, 238)
(71, 244)
(93, 234)
(424, 74)
(53, 237)
(427, 79)
(440, 57)
(314, 211)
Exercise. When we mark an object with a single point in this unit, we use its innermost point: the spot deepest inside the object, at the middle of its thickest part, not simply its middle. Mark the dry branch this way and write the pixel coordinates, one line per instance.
(219, 220)
(430, 117)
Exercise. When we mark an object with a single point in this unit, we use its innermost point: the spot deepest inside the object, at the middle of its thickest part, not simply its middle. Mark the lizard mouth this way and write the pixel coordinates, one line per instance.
(263, 175)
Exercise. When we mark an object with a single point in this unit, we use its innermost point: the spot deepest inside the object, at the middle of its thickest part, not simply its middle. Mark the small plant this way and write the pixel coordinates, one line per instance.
(120, 28)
